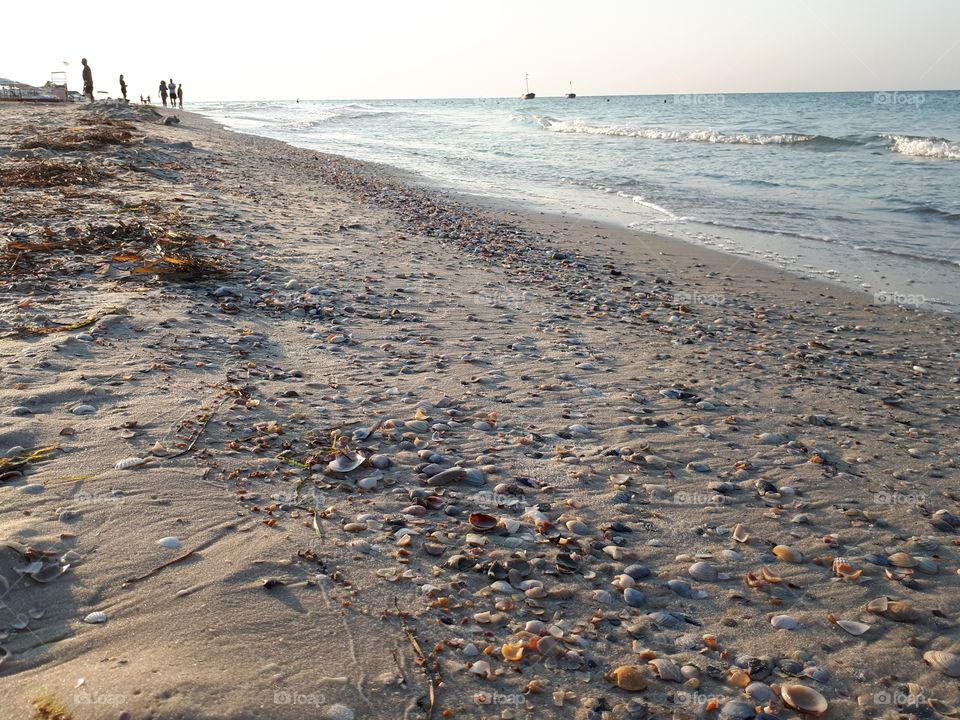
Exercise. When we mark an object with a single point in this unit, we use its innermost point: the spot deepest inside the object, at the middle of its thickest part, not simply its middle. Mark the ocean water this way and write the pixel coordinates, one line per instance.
(859, 188)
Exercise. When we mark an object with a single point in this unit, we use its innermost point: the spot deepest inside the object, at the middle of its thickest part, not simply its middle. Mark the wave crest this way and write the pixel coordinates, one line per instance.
(924, 147)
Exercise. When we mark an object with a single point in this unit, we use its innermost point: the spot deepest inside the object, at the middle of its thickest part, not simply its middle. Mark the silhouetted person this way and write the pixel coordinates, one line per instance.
(87, 80)
(172, 89)
(148, 99)
(123, 88)
(142, 101)
(163, 92)
(180, 94)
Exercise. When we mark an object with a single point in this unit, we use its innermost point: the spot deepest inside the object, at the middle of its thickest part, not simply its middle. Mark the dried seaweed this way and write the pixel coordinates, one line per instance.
(48, 173)
(140, 248)
(90, 137)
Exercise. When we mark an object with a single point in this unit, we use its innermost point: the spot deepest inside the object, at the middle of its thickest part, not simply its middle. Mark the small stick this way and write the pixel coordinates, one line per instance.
(157, 569)
(423, 659)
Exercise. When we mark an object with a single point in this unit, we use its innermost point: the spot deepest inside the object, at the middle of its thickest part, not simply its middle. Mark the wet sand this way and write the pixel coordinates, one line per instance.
(287, 435)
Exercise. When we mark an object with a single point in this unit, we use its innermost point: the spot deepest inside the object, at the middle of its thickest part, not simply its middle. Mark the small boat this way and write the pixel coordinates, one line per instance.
(527, 95)
(571, 94)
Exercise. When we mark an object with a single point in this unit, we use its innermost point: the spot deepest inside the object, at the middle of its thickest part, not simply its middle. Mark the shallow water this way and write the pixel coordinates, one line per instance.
(856, 187)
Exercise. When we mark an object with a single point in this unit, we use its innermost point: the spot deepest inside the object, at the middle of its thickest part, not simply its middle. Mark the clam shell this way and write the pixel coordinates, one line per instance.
(945, 662)
(740, 533)
(629, 678)
(788, 554)
(851, 626)
(48, 573)
(667, 670)
(512, 652)
(171, 543)
(128, 463)
(481, 522)
(703, 571)
(759, 692)
(784, 622)
(97, 617)
(903, 560)
(345, 463)
(803, 699)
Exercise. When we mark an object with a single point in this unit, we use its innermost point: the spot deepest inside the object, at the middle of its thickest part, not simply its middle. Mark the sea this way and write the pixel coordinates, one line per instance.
(861, 189)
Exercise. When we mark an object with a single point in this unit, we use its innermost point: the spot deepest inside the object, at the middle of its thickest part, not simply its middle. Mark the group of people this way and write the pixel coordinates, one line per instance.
(167, 90)
(174, 91)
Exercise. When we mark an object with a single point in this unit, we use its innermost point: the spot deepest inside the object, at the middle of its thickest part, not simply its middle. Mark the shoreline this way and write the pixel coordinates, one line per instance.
(557, 431)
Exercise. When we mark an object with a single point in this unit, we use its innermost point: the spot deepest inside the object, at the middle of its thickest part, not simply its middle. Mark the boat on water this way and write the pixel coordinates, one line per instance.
(527, 95)
(571, 94)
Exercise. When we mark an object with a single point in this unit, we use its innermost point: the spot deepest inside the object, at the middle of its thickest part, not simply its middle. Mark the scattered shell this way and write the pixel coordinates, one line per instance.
(171, 543)
(96, 618)
(803, 699)
(703, 571)
(945, 662)
(667, 670)
(759, 692)
(129, 463)
(740, 533)
(788, 554)
(84, 410)
(345, 463)
(784, 622)
(512, 652)
(851, 626)
(629, 678)
(481, 522)
(903, 560)
(897, 610)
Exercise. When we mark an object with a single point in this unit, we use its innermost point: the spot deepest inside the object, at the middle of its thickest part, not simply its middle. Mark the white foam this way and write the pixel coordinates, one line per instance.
(925, 147)
(705, 136)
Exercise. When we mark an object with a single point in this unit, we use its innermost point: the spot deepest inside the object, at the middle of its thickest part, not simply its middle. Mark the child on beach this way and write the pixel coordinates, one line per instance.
(123, 88)
(163, 92)
(180, 94)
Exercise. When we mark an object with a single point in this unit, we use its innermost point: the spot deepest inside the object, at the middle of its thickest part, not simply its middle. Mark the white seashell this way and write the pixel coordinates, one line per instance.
(703, 571)
(851, 626)
(345, 464)
(945, 662)
(129, 463)
(784, 622)
(84, 410)
(96, 618)
(667, 670)
(171, 543)
(804, 699)
(158, 450)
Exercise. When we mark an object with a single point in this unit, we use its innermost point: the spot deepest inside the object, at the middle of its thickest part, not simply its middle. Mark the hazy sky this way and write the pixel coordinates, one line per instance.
(465, 48)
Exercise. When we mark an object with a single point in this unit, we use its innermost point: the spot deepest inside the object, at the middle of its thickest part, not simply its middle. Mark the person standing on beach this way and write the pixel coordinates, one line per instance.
(87, 80)
(163, 92)
(172, 89)
(180, 94)
(123, 88)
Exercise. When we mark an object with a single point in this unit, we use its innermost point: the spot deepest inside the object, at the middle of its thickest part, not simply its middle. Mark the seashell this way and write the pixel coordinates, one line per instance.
(447, 477)
(703, 571)
(850, 626)
(844, 570)
(634, 597)
(125, 434)
(128, 463)
(48, 573)
(622, 582)
(759, 692)
(738, 677)
(481, 522)
(628, 677)
(927, 565)
(768, 576)
(171, 543)
(680, 587)
(84, 410)
(96, 618)
(511, 652)
(784, 622)
(345, 463)
(481, 667)
(740, 533)
(945, 662)
(803, 699)
(788, 554)
(737, 710)
(667, 670)
(903, 560)
(158, 450)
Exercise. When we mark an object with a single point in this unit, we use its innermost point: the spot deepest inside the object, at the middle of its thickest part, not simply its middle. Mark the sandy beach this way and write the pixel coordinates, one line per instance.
(287, 435)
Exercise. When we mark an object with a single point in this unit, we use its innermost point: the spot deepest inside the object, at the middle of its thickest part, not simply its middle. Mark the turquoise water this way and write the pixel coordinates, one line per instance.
(861, 188)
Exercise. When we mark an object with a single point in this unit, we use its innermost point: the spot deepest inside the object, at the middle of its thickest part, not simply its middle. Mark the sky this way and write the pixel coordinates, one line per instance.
(359, 49)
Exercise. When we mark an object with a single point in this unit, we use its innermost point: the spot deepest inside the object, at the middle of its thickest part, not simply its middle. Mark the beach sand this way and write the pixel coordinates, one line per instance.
(561, 425)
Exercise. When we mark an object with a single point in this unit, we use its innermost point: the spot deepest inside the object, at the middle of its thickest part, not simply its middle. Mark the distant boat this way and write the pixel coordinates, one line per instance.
(527, 95)
(571, 94)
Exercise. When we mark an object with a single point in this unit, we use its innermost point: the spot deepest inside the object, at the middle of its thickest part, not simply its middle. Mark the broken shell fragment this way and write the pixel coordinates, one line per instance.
(96, 618)
(851, 626)
(740, 533)
(667, 670)
(345, 463)
(512, 652)
(129, 463)
(788, 554)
